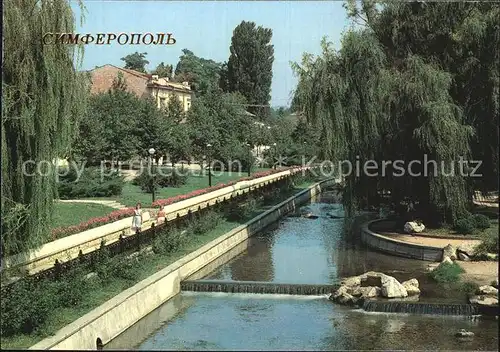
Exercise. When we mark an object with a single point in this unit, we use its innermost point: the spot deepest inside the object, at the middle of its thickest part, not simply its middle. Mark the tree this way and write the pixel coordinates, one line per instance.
(202, 74)
(178, 135)
(163, 71)
(371, 105)
(119, 125)
(218, 119)
(250, 65)
(43, 97)
(136, 61)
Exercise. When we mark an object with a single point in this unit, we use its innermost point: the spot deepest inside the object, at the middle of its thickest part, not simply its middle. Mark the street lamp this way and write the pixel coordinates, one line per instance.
(274, 151)
(209, 146)
(249, 158)
(153, 181)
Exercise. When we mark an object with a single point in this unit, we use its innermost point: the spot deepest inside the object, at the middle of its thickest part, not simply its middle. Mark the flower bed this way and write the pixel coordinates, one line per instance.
(94, 222)
(123, 213)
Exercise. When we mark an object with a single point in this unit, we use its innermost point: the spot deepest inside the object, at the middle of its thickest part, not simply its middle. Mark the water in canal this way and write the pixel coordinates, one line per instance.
(299, 250)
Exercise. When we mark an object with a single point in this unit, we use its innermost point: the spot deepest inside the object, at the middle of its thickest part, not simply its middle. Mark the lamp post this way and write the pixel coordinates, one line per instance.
(249, 159)
(209, 146)
(274, 152)
(153, 181)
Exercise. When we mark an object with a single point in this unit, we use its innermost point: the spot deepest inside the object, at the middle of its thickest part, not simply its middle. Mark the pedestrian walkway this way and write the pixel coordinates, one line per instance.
(110, 203)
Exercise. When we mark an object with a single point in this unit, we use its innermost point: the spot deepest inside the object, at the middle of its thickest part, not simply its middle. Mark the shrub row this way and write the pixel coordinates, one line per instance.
(91, 183)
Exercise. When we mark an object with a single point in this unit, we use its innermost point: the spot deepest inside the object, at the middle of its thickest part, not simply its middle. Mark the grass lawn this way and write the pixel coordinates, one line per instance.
(98, 293)
(68, 214)
(131, 194)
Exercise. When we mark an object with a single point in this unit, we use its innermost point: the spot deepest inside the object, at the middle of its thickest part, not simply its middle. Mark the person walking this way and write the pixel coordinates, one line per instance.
(137, 219)
(161, 216)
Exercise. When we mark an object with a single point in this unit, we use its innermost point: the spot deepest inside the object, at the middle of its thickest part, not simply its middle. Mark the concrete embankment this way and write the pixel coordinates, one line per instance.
(118, 314)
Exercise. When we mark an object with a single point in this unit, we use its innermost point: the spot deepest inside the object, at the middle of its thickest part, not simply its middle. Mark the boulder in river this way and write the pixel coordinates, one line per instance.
(463, 257)
(450, 252)
(446, 260)
(413, 227)
(373, 284)
(464, 333)
(391, 288)
(484, 300)
(487, 290)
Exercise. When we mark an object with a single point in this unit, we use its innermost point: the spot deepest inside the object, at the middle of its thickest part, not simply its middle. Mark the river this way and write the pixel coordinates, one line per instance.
(300, 250)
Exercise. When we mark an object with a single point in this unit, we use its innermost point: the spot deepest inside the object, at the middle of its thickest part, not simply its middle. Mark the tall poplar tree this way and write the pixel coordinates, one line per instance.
(250, 65)
(43, 97)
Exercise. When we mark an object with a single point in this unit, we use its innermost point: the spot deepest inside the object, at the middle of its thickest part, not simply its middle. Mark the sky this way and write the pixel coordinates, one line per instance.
(206, 27)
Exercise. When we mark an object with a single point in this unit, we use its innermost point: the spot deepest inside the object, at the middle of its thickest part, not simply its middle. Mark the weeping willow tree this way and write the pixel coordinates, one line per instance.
(373, 107)
(43, 97)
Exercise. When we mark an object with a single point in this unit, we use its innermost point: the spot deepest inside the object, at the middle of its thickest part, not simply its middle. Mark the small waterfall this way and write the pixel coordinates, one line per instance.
(256, 287)
(420, 308)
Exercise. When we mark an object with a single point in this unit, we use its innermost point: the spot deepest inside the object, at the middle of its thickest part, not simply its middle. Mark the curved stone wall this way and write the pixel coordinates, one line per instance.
(399, 248)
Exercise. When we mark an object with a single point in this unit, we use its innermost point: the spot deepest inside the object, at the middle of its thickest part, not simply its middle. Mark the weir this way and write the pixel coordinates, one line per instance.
(420, 308)
(256, 287)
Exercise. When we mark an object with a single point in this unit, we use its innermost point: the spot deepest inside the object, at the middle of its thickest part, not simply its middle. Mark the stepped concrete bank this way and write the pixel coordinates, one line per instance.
(399, 248)
(121, 312)
(68, 248)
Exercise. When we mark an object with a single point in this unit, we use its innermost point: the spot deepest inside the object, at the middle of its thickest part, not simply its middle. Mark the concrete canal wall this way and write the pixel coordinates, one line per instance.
(121, 312)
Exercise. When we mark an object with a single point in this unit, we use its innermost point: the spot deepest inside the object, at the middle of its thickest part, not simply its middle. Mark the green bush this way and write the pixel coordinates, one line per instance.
(25, 306)
(171, 179)
(92, 183)
(169, 240)
(70, 288)
(469, 287)
(446, 272)
(241, 211)
(489, 243)
(481, 221)
(465, 226)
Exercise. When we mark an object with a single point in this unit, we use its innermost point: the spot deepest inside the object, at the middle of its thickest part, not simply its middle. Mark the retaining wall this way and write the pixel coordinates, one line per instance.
(69, 247)
(398, 248)
(124, 310)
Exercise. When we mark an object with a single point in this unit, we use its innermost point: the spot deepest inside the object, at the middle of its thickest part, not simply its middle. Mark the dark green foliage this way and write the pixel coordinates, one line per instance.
(469, 287)
(163, 178)
(206, 222)
(481, 221)
(241, 211)
(489, 242)
(43, 98)
(202, 74)
(21, 313)
(92, 183)
(169, 240)
(209, 120)
(70, 289)
(119, 126)
(393, 92)
(163, 71)
(465, 226)
(249, 68)
(136, 61)
(446, 272)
